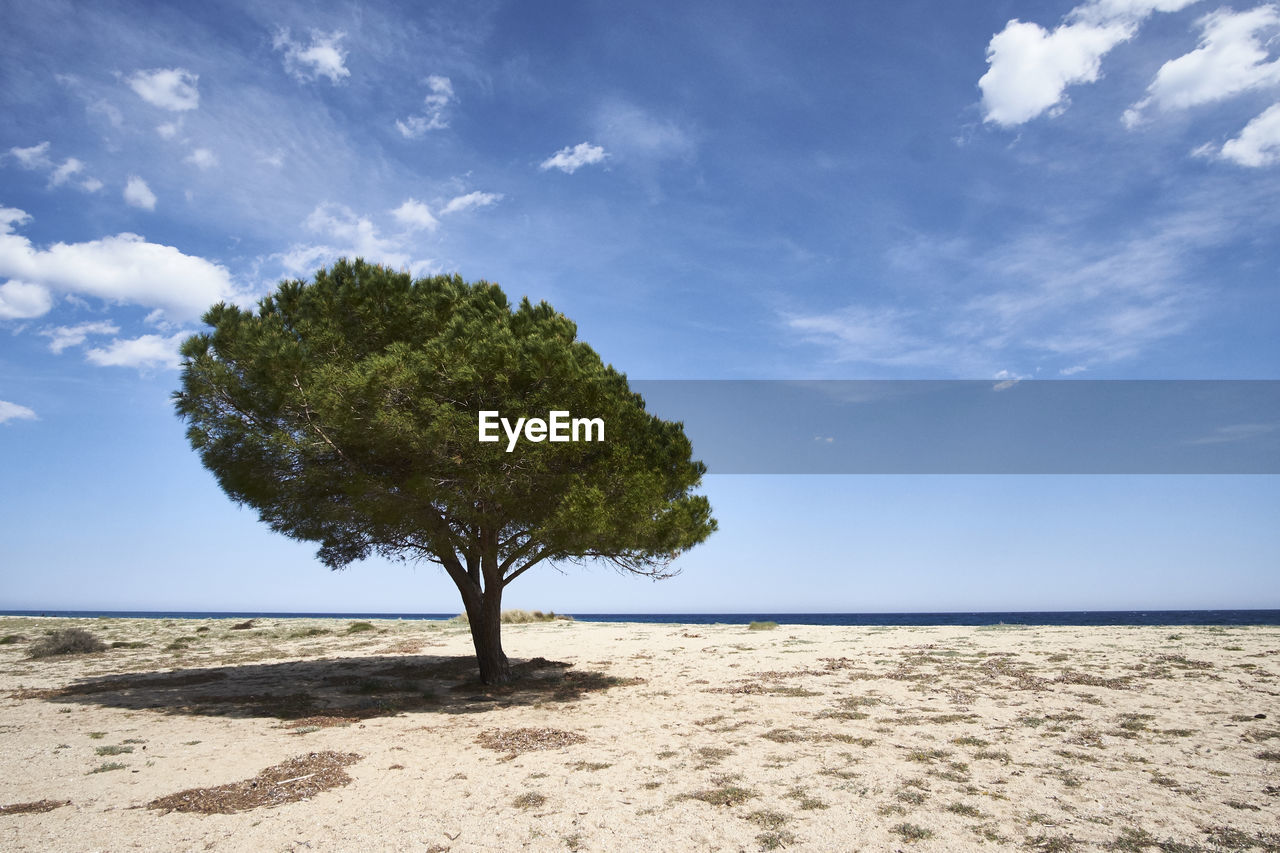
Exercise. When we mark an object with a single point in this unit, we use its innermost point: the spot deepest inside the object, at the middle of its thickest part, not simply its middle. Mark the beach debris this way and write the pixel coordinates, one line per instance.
(320, 722)
(297, 779)
(527, 740)
(34, 807)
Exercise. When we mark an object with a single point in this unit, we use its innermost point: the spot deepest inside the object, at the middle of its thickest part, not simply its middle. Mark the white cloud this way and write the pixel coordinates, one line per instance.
(169, 129)
(35, 157)
(1231, 58)
(415, 216)
(469, 201)
(350, 235)
(202, 158)
(147, 351)
(440, 95)
(322, 57)
(124, 268)
(22, 301)
(12, 411)
(1259, 143)
(64, 173)
(1072, 370)
(572, 158)
(167, 88)
(1031, 67)
(62, 337)
(340, 223)
(138, 194)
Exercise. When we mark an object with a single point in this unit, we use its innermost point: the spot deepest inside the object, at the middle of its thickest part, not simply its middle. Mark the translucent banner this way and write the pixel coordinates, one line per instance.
(975, 427)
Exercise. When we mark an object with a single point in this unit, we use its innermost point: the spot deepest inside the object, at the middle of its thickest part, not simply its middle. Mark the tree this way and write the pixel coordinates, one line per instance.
(346, 412)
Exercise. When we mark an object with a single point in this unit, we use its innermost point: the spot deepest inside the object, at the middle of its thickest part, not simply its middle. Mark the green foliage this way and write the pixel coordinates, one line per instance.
(762, 626)
(68, 641)
(345, 411)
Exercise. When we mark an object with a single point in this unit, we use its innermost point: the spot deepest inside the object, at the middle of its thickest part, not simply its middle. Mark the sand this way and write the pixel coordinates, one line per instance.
(641, 737)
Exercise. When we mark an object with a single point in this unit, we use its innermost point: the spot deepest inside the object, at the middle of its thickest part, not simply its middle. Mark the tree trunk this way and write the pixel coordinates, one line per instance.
(484, 613)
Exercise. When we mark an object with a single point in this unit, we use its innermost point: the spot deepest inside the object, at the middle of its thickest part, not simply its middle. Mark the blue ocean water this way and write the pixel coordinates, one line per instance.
(1049, 617)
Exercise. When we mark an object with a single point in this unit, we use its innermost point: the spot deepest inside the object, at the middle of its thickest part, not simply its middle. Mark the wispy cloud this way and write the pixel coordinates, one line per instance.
(323, 56)
(202, 158)
(32, 157)
(63, 337)
(633, 133)
(439, 96)
(36, 158)
(470, 201)
(572, 158)
(1049, 295)
(348, 234)
(1235, 432)
(167, 88)
(14, 412)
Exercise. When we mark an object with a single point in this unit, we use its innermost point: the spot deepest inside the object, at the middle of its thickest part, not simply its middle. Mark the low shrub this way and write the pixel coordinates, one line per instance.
(67, 641)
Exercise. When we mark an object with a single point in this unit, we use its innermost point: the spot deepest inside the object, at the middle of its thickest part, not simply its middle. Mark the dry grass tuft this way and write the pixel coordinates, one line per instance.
(527, 740)
(288, 782)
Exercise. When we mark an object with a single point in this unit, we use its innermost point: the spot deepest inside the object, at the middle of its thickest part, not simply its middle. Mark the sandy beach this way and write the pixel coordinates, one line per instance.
(293, 734)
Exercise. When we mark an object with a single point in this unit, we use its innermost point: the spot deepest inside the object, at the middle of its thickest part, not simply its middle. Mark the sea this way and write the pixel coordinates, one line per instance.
(1044, 617)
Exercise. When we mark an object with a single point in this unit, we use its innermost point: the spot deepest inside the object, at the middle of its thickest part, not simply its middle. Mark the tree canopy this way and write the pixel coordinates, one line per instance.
(345, 411)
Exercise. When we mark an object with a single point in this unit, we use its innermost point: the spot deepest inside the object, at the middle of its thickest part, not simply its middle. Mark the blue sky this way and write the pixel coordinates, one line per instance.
(711, 190)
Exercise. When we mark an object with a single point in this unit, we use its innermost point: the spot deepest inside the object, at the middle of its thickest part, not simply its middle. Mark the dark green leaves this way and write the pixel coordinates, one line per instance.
(345, 410)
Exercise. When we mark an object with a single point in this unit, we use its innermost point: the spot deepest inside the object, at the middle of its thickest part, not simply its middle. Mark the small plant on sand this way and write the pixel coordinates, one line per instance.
(113, 750)
(107, 766)
(1133, 841)
(68, 641)
(762, 626)
(723, 795)
(911, 832)
(10, 639)
(529, 800)
(775, 834)
(964, 809)
(359, 627)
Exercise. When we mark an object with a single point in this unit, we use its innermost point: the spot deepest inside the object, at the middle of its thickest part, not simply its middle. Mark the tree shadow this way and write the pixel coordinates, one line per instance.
(333, 689)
